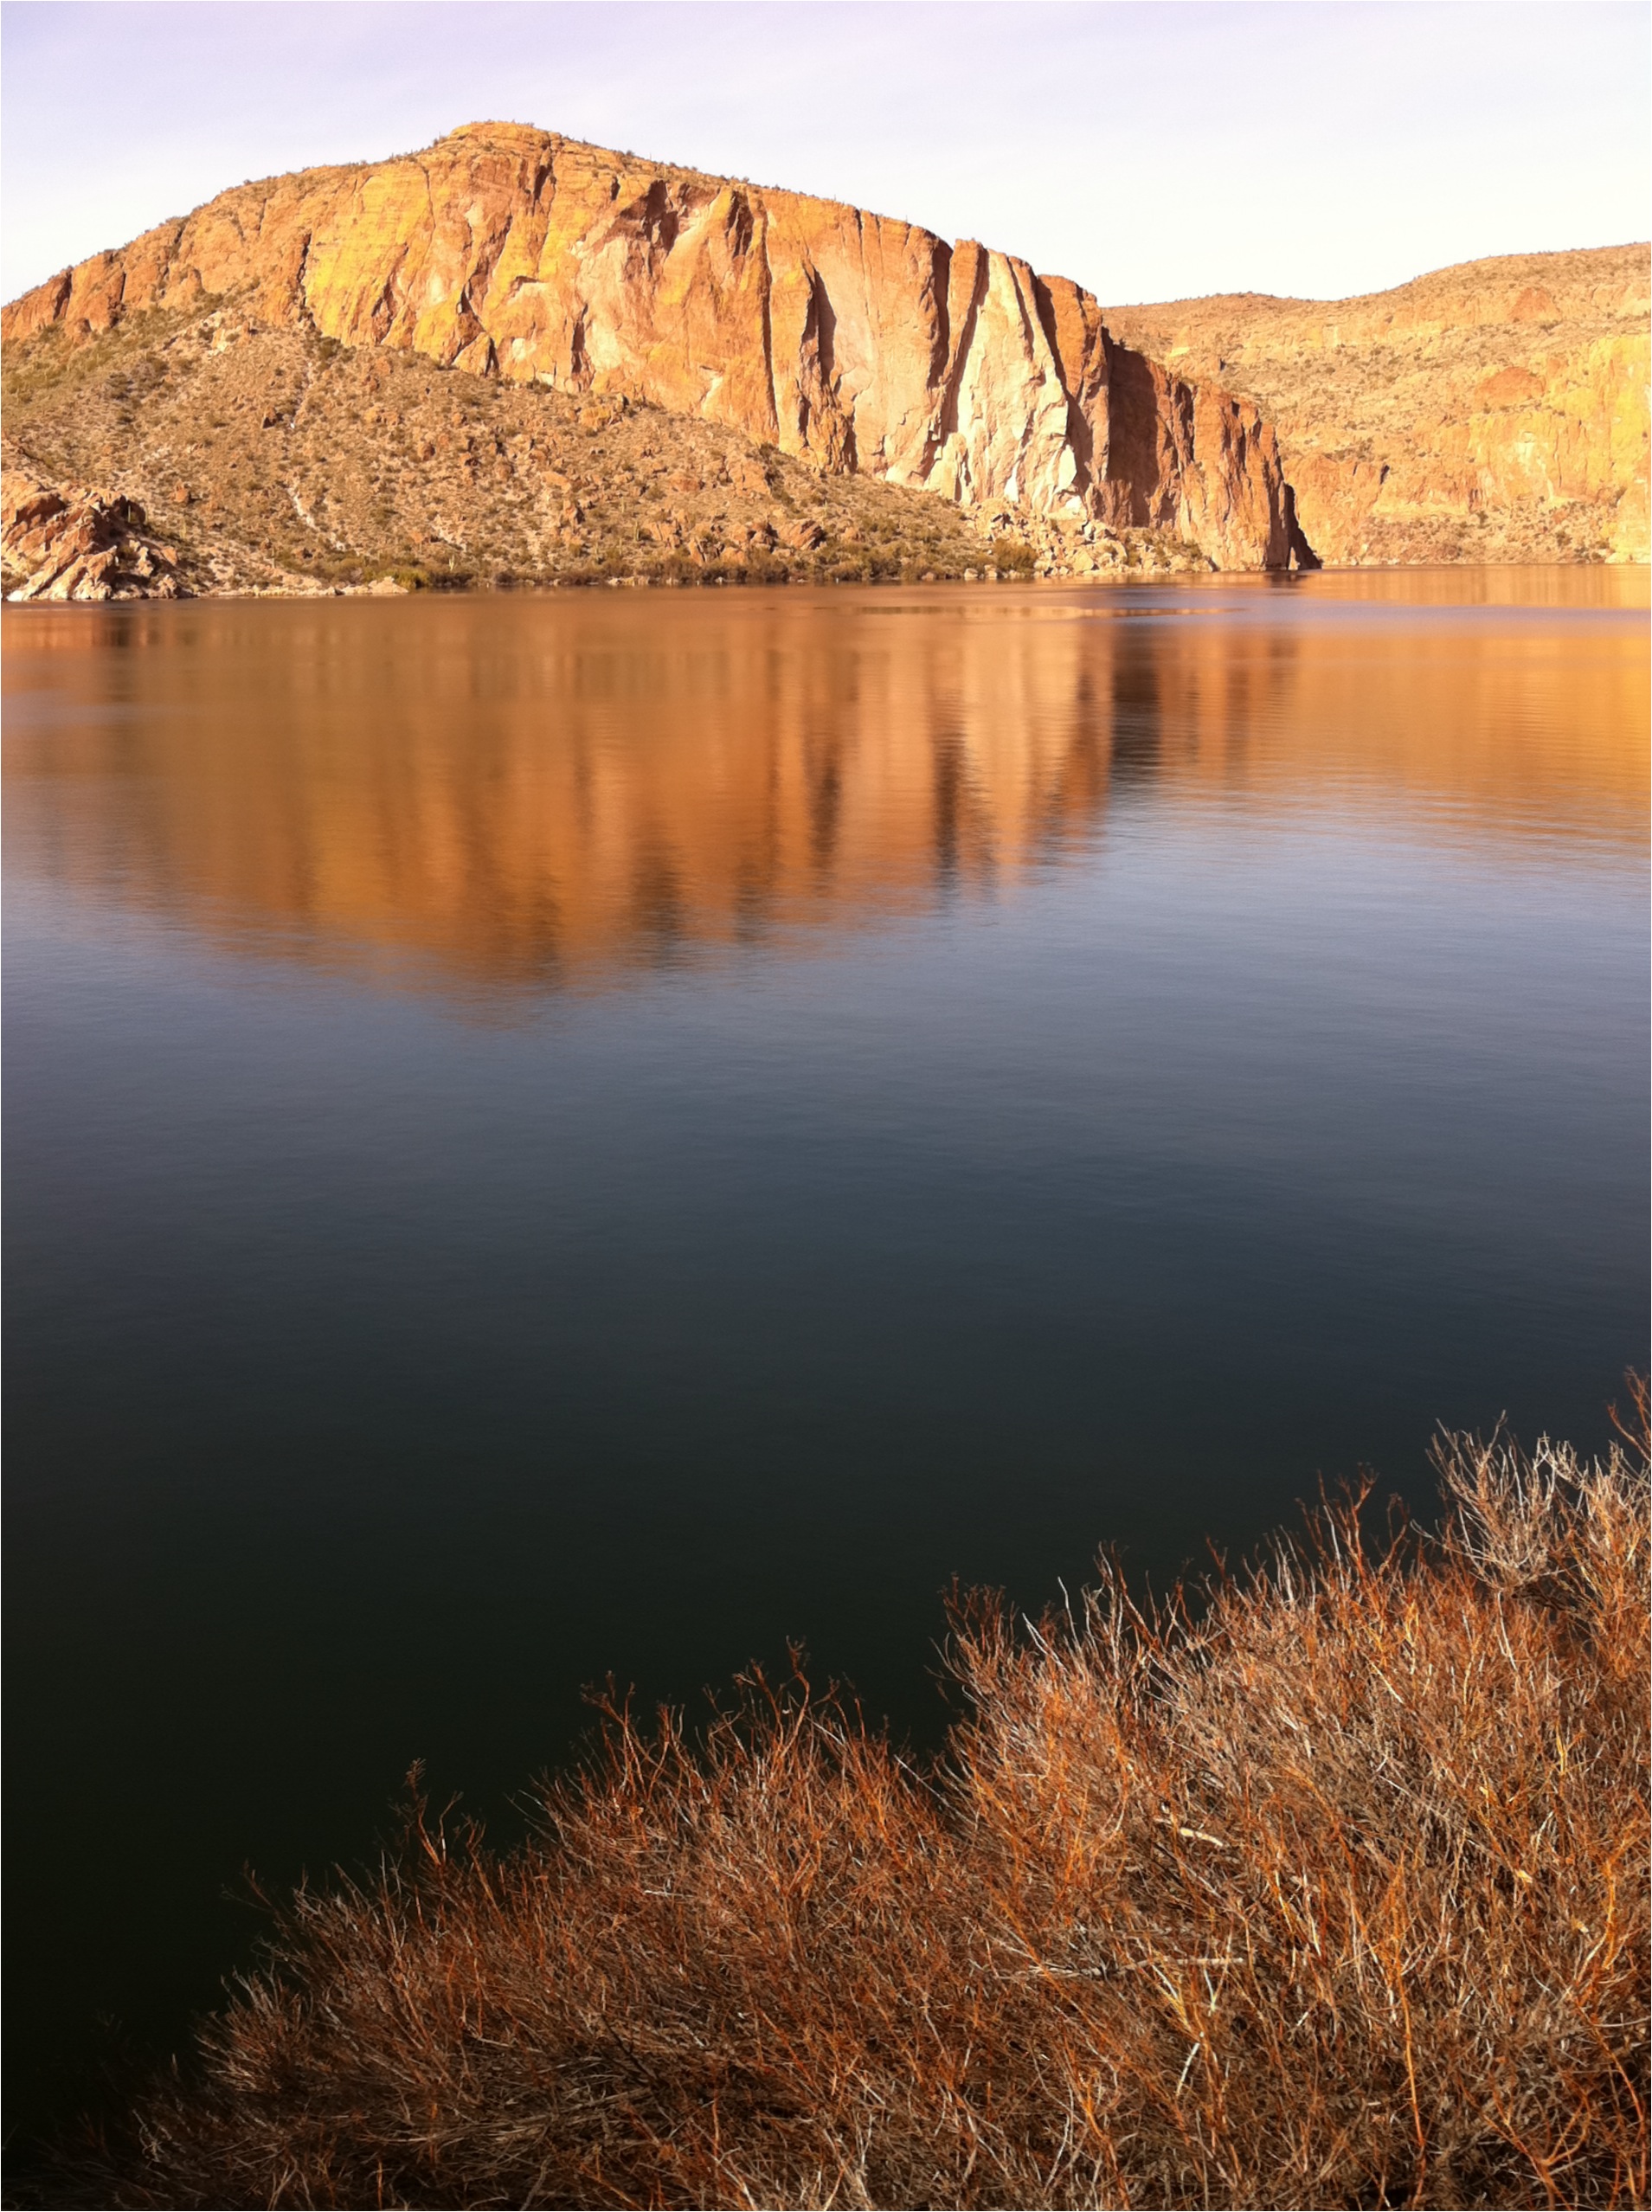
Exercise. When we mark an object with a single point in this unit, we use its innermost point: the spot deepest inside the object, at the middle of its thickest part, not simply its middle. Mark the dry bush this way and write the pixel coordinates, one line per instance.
(1329, 1891)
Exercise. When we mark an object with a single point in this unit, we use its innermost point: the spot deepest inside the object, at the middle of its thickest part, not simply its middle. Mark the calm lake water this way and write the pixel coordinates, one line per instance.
(596, 1134)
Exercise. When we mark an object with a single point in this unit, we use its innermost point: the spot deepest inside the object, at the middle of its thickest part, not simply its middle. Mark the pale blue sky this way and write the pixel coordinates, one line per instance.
(1314, 146)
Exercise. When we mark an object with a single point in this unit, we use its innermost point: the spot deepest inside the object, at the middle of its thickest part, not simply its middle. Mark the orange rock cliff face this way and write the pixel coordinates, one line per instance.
(1496, 411)
(854, 341)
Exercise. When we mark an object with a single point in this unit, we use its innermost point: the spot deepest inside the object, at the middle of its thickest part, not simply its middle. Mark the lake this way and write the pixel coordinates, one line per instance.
(584, 1134)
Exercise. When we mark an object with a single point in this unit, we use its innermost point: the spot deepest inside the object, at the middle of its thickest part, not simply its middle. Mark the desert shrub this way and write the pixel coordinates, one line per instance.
(1327, 1890)
(675, 569)
(1013, 556)
(52, 365)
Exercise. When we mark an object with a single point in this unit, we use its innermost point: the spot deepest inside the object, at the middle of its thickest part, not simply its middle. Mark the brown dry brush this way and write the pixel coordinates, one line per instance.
(1330, 1891)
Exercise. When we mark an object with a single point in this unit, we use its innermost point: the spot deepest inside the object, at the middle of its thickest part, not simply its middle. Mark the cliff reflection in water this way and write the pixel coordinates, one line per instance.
(533, 791)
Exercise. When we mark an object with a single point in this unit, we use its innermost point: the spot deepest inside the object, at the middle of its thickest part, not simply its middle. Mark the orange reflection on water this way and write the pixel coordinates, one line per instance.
(517, 790)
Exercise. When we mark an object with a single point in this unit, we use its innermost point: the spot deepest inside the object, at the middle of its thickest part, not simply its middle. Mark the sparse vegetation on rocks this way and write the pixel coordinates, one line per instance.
(1493, 412)
(1326, 1889)
(274, 460)
(823, 329)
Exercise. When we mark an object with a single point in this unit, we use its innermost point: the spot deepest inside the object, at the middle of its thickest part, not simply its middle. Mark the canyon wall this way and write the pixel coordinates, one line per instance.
(855, 342)
(1495, 411)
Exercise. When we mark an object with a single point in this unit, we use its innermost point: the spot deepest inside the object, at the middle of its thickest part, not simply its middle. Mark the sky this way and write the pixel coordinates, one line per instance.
(1150, 149)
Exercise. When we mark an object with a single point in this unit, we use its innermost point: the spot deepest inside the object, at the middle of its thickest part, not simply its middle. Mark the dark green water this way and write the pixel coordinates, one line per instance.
(597, 1135)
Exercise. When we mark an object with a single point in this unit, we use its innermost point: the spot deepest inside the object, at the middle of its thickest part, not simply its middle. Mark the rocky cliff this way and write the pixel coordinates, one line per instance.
(1495, 411)
(76, 542)
(857, 343)
(269, 459)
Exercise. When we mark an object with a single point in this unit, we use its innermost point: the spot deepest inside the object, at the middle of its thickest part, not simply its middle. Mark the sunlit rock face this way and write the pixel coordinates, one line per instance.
(1493, 412)
(78, 543)
(854, 340)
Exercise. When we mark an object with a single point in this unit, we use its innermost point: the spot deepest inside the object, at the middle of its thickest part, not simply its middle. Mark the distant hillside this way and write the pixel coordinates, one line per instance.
(1495, 411)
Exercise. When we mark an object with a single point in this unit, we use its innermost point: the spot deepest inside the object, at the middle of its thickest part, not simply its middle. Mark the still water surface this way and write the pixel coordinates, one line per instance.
(595, 1134)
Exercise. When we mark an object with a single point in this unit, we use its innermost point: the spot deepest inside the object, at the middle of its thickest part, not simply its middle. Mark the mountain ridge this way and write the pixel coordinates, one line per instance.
(858, 343)
(1488, 410)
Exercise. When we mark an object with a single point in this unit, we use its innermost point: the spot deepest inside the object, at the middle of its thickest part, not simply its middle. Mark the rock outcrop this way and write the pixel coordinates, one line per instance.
(69, 542)
(274, 460)
(853, 341)
(1495, 411)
